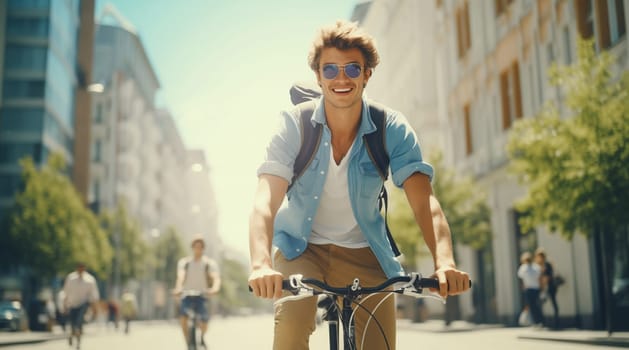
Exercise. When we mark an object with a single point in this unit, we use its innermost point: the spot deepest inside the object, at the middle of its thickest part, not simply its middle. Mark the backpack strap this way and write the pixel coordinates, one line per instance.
(310, 139)
(377, 150)
(375, 141)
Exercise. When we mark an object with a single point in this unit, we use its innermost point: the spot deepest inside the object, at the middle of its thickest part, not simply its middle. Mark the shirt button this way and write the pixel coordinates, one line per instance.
(325, 144)
(309, 219)
(316, 197)
(322, 172)
(298, 250)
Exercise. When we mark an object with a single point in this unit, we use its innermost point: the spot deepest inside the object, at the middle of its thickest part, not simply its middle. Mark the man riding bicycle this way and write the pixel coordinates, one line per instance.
(80, 291)
(196, 274)
(331, 228)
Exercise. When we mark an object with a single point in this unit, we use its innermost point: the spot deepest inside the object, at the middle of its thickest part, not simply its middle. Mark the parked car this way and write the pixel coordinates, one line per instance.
(41, 315)
(13, 316)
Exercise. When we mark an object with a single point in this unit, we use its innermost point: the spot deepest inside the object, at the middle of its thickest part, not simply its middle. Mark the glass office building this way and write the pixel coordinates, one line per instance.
(38, 60)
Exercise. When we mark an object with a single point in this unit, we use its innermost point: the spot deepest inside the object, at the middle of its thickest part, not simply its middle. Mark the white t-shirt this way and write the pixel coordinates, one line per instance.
(196, 273)
(530, 273)
(80, 289)
(334, 222)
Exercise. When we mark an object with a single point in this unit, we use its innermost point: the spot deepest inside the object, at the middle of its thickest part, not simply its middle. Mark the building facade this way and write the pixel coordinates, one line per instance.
(491, 60)
(41, 91)
(125, 134)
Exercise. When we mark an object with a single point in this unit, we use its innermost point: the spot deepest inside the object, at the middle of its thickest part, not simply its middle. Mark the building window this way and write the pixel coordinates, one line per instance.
(22, 120)
(501, 6)
(97, 151)
(605, 18)
(567, 46)
(21, 57)
(464, 38)
(30, 27)
(467, 122)
(98, 117)
(585, 18)
(23, 89)
(511, 96)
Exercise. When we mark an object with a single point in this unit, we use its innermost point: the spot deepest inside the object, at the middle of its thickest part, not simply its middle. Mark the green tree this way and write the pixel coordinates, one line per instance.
(576, 169)
(167, 251)
(49, 227)
(463, 204)
(131, 252)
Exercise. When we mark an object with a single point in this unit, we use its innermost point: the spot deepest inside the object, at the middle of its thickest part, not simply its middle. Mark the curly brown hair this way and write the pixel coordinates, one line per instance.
(344, 35)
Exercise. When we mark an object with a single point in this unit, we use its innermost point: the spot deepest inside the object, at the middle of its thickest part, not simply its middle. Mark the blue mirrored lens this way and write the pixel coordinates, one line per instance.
(330, 71)
(352, 70)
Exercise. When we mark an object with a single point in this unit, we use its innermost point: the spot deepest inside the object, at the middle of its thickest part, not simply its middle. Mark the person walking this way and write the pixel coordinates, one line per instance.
(530, 274)
(548, 283)
(128, 308)
(81, 292)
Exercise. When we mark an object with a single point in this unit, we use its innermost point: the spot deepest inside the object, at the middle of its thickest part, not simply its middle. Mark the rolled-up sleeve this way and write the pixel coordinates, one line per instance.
(404, 151)
(282, 149)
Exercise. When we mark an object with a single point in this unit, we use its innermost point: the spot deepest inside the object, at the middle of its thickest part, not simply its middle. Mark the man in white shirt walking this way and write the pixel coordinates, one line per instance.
(80, 291)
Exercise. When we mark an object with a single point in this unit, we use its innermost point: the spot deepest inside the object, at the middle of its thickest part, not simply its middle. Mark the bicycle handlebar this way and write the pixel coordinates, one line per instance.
(414, 281)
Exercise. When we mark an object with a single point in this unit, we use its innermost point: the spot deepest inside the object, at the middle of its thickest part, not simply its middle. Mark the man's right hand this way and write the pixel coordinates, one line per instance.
(266, 283)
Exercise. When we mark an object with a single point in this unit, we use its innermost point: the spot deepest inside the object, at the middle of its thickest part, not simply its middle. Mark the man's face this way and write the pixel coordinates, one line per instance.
(342, 91)
(197, 249)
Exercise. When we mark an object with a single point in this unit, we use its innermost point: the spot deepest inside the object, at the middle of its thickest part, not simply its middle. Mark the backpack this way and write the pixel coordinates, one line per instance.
(206, 263)
(303, 96)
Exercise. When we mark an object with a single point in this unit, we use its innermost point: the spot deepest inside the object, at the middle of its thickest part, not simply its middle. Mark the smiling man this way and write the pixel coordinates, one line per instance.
(331, 228)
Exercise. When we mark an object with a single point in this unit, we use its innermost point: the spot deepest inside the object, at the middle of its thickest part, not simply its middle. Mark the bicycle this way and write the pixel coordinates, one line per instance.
(197, 300)
(412, 285)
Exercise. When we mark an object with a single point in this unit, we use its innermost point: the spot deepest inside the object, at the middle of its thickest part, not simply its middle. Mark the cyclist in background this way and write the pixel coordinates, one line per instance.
(196, 273)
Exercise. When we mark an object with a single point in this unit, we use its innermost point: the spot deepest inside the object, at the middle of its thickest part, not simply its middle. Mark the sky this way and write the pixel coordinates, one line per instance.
(225, 67)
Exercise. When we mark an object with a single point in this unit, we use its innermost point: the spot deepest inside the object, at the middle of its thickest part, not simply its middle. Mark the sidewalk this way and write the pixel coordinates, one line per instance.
(19, 338)
(576, 336)
(589, 337)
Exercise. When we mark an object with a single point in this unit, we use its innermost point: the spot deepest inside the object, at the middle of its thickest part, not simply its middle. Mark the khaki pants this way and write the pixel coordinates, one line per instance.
(337, 266)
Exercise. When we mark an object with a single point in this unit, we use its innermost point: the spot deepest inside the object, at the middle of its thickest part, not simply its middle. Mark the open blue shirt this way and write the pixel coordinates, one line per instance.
(293, 223)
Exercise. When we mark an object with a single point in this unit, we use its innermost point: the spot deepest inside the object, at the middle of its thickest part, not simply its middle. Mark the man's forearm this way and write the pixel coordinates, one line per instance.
(437, 235)
(260, 239)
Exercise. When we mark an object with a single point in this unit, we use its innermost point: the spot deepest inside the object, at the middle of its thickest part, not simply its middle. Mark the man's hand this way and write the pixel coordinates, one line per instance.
(451, 281)
(266, 283)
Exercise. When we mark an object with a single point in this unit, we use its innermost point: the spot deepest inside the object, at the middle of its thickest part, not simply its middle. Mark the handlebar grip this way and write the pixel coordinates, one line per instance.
(285, 286)
(433, 283)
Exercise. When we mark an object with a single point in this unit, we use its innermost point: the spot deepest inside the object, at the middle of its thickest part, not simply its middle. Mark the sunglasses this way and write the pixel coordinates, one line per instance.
(331, 70)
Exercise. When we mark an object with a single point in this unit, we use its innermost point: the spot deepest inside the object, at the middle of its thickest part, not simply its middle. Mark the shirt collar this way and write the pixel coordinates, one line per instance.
(366, 124)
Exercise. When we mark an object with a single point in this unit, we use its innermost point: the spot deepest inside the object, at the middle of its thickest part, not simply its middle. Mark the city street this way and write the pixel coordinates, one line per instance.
(255, 332)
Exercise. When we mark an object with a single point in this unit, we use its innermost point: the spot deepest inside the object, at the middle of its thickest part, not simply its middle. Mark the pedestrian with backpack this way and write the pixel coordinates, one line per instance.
(330, 158)
(200, 274)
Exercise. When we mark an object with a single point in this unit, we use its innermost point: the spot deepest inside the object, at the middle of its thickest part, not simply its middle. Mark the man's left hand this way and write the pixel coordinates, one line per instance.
(452, 281)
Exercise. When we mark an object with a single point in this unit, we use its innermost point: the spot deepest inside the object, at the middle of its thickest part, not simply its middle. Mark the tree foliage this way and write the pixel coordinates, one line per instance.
(463, 203)
(576, 169)
(167, 251)
(49, 227)
(131, 252)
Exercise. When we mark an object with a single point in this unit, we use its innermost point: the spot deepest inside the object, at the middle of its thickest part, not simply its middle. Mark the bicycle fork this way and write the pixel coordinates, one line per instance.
(332, 317)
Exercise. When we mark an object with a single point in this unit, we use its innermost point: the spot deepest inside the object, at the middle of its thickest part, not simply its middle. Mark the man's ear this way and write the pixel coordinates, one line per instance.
(368, 73)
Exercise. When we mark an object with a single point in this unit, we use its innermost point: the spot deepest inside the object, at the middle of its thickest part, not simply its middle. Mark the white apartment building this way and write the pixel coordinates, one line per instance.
(126, 136)
(490, 60)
